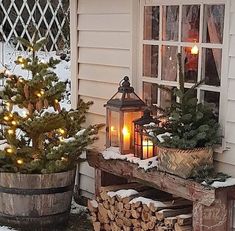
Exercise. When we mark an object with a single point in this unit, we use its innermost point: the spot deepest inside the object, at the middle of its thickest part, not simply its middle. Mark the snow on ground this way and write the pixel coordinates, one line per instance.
(4, 228)
(113, 153)
(62, 69)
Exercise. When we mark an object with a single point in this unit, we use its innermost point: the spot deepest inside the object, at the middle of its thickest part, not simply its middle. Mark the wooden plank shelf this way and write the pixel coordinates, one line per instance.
(212, 207)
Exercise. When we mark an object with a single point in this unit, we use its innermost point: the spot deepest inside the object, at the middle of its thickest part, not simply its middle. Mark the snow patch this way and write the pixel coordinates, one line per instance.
(219, 184)
(81, 132)
(160, 136)
(4, 228)
(94, 203)
(148, 201)
(113, 153)
(76, 208)
(123, 193)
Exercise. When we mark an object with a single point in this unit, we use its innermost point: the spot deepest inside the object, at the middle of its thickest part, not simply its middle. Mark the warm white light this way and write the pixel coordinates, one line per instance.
(42, 92)
(20, 161)
(13, 122)
(194, 50)
(61, 131)
(10, 132)
(9, 150)
(56, 101)
(6, 118)
(39, 95)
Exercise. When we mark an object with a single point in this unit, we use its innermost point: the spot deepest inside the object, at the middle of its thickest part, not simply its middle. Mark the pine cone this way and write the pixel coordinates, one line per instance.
(26, 91)
(39, 105)
(30, 108)
(46, 104)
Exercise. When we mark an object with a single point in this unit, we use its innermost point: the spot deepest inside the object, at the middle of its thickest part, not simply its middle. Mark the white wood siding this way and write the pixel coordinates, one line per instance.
(104, 57)
(106, 31)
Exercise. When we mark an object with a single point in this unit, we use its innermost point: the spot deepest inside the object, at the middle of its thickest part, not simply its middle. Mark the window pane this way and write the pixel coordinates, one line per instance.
(213, 23)
(212, 98)
(190, 23)
(211, 66)
(169, 63)
(166, 97)
(151, 22)
(190, 65)
(170, 23)
(150, 93)
(150, 61)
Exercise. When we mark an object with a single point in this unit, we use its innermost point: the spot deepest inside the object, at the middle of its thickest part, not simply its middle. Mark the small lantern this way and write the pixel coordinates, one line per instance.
(124, 107)
(144, 147)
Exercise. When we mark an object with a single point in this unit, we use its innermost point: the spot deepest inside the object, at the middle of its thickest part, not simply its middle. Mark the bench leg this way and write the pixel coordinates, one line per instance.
(217, 217)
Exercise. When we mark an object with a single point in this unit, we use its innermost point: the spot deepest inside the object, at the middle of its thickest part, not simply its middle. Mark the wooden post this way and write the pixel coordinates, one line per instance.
(216, 217)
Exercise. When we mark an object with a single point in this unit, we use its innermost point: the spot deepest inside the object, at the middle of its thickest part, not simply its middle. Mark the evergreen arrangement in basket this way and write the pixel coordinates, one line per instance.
(190, 130)
(36, 134)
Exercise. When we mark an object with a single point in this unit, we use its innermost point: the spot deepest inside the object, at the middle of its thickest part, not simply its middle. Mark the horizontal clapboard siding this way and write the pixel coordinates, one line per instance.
(106, 22)
(104, 46)
(101, 39)
(107, 74)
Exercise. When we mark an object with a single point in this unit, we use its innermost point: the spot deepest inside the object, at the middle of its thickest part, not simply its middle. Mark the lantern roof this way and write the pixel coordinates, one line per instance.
(145, 119)
(125, 96)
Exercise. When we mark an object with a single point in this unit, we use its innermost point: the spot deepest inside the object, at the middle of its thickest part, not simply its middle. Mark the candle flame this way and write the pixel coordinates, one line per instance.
(125, 131)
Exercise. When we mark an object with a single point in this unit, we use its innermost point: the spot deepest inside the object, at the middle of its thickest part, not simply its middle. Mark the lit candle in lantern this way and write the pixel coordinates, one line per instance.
(147, 149)
(126, 138)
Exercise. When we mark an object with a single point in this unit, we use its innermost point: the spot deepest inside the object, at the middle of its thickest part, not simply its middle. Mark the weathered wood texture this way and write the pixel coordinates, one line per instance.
(166, 182)
(119, 212)
(41, 199)
(212, 208)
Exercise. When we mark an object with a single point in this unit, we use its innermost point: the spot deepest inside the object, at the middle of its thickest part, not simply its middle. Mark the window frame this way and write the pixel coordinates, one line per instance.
(222, 89)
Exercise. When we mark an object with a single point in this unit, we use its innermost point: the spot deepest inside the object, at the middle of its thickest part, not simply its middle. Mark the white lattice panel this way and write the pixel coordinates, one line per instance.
(20, 18)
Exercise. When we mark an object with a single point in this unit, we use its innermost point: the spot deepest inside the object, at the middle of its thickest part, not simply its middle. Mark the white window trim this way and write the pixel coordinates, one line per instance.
(138, 35)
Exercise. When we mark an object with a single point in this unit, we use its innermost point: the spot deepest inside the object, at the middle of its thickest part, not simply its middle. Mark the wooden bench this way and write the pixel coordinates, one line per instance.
(212, 207)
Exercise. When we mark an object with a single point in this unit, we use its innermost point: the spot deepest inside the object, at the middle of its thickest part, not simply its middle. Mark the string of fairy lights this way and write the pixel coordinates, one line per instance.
(12, 118)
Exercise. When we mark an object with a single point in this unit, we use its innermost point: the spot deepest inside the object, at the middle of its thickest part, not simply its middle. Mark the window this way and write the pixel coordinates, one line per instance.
(194, 29)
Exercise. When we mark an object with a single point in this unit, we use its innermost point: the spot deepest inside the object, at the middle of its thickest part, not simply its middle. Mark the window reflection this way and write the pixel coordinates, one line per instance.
(150, 61)
(190, 23)
(151, 22)
(211, 67)
(169, 63)
(170, 23)
(190, 65)
(213, 23)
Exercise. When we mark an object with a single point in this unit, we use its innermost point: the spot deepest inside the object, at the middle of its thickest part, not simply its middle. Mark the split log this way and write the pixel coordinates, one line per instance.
(170, 222)
(183, 228)
(161, 215)
(97, 226)
(184, 219)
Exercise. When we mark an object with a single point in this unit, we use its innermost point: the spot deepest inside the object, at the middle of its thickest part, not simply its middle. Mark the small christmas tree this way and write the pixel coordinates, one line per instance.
(189, 124)
(36, 135)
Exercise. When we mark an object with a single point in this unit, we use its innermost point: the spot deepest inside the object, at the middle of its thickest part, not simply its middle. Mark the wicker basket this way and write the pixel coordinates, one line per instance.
(182, 162)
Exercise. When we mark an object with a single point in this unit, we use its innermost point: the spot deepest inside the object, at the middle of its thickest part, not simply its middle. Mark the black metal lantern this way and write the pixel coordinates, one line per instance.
(144, 147)
(124, 107)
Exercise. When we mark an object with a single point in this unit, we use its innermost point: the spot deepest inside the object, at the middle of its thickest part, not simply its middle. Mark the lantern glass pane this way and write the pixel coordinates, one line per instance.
(128, 130)
(114, 129)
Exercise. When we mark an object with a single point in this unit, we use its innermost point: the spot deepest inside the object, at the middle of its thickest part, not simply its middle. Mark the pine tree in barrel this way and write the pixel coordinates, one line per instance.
(41, 144)
(37, 135)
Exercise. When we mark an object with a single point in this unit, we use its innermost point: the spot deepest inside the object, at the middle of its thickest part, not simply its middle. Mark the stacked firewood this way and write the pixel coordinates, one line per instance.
(136, 207)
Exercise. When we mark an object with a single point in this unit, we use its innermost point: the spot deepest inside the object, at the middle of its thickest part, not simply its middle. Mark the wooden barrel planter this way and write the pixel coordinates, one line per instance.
(35, 199)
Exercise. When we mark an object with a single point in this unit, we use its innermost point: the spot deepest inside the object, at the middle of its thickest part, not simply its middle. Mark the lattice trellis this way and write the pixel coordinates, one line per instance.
(20, 18)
